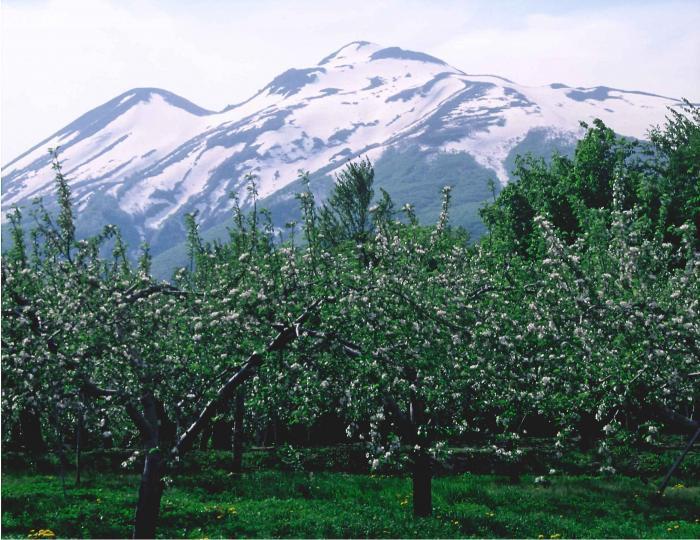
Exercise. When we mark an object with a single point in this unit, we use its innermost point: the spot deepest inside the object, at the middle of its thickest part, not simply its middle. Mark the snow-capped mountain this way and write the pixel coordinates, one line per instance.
(148, 156)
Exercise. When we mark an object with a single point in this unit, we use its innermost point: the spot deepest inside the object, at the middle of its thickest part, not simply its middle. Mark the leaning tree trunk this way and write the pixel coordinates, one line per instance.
(238, 432)
(151, 488)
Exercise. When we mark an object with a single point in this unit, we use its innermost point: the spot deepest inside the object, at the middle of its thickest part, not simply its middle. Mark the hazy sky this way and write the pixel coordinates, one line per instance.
(61, 58)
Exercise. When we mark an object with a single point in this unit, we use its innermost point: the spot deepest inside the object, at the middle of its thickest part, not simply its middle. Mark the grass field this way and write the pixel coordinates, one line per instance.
(296, 504)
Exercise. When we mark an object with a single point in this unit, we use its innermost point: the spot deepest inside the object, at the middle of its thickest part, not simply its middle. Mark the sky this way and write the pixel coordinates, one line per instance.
(61, 58)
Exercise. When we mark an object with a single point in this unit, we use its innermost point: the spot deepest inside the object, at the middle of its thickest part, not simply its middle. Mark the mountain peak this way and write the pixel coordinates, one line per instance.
(365, 51)
(145, 94)
(397, 53)
(353, 52)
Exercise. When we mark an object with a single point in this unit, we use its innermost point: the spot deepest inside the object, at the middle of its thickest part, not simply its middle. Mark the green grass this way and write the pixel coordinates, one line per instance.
(282, 504)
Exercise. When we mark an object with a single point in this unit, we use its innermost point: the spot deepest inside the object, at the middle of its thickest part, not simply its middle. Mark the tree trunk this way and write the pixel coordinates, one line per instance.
(238, 432)
(15, 442)
(422, 466)
(63, 464)
(204, 440)
(60, 450)
(422, 484)
(107, 440)
(79, 427)
(514, 473)
(274, 432)
(588, 431)
(167, 431)
(150, 493)
(30, 426)
(151, 488)
(221, 435)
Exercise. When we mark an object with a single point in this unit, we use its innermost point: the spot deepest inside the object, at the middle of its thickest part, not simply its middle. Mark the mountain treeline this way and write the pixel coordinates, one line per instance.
(576, 317)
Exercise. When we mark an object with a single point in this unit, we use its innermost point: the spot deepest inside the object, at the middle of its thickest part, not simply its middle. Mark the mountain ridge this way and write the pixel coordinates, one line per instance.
(149, 155)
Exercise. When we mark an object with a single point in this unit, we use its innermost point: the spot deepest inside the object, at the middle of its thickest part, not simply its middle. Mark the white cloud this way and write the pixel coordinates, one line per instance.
(61, 58)
(652, 48)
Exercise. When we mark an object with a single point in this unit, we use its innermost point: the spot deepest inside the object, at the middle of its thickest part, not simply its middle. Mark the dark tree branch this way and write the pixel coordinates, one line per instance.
(352, 350)
(144, 427)
(92, 390)
(407, 428)
(285, 336)
(674, 418)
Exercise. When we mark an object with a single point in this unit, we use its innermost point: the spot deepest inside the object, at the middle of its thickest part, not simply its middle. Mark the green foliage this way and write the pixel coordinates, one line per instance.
(567, 191)
(410, 176)
(18, 252)
(672, 195)
(346, 213)
(660, 179)
(65, 220)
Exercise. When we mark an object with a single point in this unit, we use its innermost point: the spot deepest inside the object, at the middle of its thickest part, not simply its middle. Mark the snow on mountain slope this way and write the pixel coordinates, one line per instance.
(127, 134)
(155, 155)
